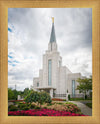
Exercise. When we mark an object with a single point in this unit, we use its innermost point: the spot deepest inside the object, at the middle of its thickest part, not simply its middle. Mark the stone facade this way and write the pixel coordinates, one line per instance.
(55, 78)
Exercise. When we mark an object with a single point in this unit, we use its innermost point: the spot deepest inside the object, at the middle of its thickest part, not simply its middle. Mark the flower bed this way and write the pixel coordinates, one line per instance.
(42, 112)
(63, 107)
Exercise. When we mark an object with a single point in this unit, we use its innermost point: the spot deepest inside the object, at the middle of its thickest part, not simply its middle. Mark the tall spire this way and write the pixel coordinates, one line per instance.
(52, 37)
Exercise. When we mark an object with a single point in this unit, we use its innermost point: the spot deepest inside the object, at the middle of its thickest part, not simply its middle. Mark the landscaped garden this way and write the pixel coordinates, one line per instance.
(52, 109)
(41, 104)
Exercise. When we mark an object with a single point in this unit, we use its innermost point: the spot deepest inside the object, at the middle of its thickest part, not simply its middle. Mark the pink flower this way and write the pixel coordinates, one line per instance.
(42, 112)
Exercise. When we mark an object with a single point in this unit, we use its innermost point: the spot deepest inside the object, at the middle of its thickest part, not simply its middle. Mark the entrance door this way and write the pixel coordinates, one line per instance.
(47, 90)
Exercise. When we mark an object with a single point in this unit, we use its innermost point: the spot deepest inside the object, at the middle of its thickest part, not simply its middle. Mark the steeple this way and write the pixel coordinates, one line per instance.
(52, 37)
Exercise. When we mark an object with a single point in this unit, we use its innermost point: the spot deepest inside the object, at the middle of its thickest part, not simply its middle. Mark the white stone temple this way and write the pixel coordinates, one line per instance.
(55, 78)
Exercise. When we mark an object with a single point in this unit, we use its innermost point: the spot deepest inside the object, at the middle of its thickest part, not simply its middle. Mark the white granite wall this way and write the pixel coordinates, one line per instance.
(73, 76)
(61, 76)
(40, 77)
(35, 80)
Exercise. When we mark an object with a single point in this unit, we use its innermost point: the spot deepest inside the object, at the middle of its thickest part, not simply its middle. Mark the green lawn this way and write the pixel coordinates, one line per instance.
(89, 105)
(79, 99)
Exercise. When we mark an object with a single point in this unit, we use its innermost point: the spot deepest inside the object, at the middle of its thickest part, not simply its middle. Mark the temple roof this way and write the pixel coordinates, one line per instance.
(53, 37)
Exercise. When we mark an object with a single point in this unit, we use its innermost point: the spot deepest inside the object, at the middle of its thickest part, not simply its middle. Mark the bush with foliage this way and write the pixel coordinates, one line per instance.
(70, 107)
(85, 96)
(40, 97)
(26, 108)
(37, 107)
(10, 94)
(44, 98)
(12, 108)
(89, 105)
(32, 106)
(32, 96)
(90, 94)
(21, 106)
(68, 96)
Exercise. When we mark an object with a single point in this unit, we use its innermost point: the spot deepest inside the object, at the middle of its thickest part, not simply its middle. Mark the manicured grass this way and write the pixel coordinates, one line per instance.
(79, 99)
(89, 105)
(71, 103)
(76, 99)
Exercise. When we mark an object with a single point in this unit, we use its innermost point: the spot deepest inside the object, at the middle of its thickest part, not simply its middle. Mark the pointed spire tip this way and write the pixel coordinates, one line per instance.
(52, 19)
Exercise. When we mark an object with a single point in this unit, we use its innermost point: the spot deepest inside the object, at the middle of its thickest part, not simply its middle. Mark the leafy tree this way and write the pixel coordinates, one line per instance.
(84, 85)
(31, 87)
(15, 94)
(10, 94)
(26, 91)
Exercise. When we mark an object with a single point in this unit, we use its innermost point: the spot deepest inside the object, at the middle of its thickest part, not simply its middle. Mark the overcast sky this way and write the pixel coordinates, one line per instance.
(29, 32)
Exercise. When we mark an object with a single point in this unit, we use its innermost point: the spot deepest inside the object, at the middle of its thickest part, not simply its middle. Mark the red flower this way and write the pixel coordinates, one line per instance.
(42, 112)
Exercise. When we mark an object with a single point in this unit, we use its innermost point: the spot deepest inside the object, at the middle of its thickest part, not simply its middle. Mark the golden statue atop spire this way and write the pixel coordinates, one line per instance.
(52, 19)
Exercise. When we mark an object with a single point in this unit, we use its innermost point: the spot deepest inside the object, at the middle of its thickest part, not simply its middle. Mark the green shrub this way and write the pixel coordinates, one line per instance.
(44, 98)
(20, 103)
(37, 107)
(85, 96)
(59, 103)
(26, 108)
(49, 104)
(90, 94)
(32, 106)
(68, 96)
(89, 105)
(32, 96)
(12, 108)
(40, 97)
(21, 106)
(45, 107)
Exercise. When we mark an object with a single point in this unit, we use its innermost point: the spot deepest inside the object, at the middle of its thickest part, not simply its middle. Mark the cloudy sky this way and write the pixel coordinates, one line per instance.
(29, 34)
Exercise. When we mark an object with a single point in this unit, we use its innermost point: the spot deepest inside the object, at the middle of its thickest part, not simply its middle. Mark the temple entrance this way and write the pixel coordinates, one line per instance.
(47, 90)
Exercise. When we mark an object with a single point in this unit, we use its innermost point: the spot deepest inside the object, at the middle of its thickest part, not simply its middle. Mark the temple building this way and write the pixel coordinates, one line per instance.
(55, 78)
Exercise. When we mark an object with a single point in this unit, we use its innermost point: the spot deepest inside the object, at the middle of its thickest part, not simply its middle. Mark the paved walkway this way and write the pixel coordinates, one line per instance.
(84, 109)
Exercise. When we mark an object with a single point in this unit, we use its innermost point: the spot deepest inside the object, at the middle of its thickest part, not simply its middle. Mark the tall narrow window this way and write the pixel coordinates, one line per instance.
(73, 88)
(59, 63)
(37, 84)
(51, 46)
(49, 72)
